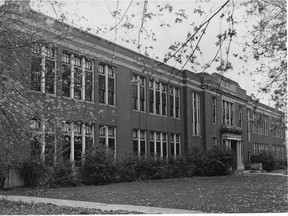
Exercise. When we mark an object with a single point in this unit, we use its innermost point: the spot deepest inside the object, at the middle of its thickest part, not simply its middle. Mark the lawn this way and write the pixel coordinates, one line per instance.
(226, 194)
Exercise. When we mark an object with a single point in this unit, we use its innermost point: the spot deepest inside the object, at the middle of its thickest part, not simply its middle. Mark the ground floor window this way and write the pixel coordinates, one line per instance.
(158, 144)
(175, 145)
(74, 141)
(139, 142)
(107, 137)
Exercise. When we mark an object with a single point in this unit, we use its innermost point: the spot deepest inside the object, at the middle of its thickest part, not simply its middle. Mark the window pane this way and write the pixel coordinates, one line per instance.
(88, 86)
(77, 149)
(49, 149)
(49, 76)
(135, 146)
(142, 147)
(66, 80)
(111, 143)
(66, 147)
(36, 74)
(77, 83)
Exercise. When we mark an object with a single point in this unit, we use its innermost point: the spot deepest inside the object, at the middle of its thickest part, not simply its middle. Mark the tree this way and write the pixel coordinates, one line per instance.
(268, 46)
(21, 34)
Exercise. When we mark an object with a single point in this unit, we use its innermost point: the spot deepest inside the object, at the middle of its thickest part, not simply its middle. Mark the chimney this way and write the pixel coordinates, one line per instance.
(21, 5)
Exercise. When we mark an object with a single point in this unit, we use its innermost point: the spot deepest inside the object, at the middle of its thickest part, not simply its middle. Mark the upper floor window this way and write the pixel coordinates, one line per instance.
(266, 125)
(139, 142)
(106, 84)
(240, 120)
(195, 113)
(214, 107)
(227, 113)
(43, 71)
(174, 93)
(249, 119)
(138, 85)
(157, 97)
(77, 78)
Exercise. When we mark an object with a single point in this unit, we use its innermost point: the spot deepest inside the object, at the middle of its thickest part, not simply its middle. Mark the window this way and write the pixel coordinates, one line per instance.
(195, 114)
(107, 137)
(266, 125)
(138, 93)
(227, 113)
(77, 141)
(88, 80)
(254, 123)
(214, 141)
(106, 84)
(157, 98)
(249, 120)
(158, 144)
(139, 142)
(254, 148)
(43, 69)
(214, 105)
(77, 77)
(175, 145)
(66, 80)
(174, 102)
(36, 70)
(240, 116)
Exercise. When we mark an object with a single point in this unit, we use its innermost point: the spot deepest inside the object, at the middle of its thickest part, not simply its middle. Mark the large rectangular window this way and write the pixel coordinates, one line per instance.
(139, 142)
(214, 109)
(266, 125)
(196, 114)
(88, 80)
(77, 77)
(107, 137)
(249, 120)
(138, 93)
(174, 93)
(240, 120)
(175, 149)
(227, 113)
(76, 138)
(157, 98)
(43, 69)
(106, 84)
(77, 141)
(158, 144)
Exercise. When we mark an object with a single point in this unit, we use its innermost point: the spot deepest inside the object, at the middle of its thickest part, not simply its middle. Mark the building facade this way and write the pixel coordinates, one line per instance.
(113, 99)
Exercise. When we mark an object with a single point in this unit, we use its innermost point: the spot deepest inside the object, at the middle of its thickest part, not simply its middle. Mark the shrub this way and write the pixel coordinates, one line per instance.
(101, 166)
(127, 170)
(267, 159)
(217, 161)
(62, 176)
(3, 175)
(34, 172)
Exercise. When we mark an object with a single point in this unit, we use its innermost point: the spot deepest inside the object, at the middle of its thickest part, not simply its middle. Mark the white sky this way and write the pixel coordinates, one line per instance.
(96, 13)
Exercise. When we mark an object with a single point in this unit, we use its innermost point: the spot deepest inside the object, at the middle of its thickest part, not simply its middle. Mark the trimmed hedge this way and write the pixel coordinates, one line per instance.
(101, 168)
(267, 159)
(215, 162)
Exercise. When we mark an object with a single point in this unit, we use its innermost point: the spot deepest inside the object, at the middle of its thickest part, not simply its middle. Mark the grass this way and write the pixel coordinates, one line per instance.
(225, 194)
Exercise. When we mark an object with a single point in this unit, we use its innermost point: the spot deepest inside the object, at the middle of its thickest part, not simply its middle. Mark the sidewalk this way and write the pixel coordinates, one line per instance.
(263, 173)
(101, 206)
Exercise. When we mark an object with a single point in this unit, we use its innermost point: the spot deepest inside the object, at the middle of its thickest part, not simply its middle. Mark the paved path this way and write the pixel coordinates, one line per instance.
(101, 206)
